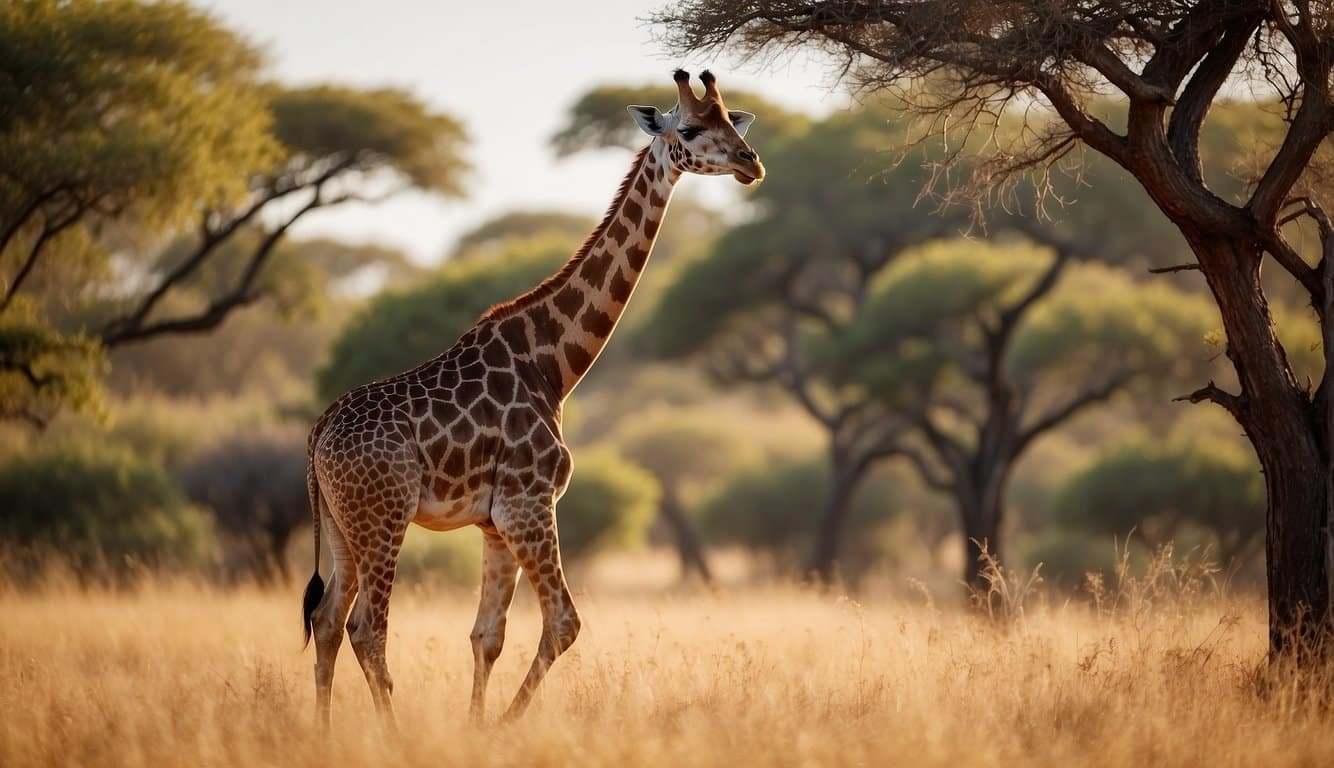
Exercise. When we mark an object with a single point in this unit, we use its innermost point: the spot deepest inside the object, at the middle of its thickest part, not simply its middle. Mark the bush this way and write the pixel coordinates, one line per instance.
(1067, 555)
(775, 509)
(97, 506)
(1162, 489)
(609, 505)
(453, 558)
(254, 483)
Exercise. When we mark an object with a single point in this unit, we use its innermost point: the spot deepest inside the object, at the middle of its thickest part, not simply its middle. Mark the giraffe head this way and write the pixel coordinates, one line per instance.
(702, 135)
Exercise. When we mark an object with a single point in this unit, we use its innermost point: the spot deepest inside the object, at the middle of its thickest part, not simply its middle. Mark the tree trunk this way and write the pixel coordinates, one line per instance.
(843, 481)
(687, 538)
(1284, 427)
(982, 512)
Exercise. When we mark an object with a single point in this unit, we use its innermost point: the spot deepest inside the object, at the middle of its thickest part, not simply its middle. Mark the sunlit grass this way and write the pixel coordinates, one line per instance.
(186, 675)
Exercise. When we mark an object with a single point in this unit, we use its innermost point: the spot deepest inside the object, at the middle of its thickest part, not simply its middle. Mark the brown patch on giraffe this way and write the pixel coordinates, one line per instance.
(637, 257)
(618, 232)
(501, 385)
(496, 354)
(545, 327)
(651, 228)
(594, 270)
(620, 287)
(568, 301)
(597, 323)
(578, 358)
(466, 392)
(633, 212)
(515, 333)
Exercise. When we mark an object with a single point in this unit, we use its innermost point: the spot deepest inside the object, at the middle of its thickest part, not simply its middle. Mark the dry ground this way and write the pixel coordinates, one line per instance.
(181, 675)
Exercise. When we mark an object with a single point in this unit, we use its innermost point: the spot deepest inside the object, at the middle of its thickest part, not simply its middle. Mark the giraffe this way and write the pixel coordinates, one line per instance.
(473, 436)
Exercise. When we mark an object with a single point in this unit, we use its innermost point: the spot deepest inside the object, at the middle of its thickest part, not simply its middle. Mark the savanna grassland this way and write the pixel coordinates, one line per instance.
(175, 674)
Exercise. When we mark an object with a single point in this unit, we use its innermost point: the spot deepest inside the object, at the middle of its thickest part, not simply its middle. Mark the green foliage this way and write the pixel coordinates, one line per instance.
(383, 128)
(832, 197)
(684, 448)
(94, 506)
(452, 558)
(400, 330)
(128, 103)
(599, 119)
(608, 505)
(919, 322)
(1067, 555)
(43, 371)
(775, 509)
(1156, 487)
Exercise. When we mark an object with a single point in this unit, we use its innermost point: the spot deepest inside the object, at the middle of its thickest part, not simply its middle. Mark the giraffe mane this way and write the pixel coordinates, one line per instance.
(549, 286)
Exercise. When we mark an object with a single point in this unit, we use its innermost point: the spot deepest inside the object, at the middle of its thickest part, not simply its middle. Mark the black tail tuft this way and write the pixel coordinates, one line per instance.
(314, 594)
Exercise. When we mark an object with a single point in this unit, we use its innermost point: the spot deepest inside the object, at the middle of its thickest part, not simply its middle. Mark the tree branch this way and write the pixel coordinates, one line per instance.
(1070, 408)
(924, 469)
(242, 294)
(1183, 128)
(49, 230)
(1233, 404)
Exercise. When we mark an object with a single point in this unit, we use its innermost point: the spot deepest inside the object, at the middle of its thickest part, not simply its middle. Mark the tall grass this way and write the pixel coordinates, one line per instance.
(180, 674)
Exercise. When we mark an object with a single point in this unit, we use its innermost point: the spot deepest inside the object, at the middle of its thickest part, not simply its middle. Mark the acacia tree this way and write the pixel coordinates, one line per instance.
(984, 350)
(1167, 61)
(150, 116)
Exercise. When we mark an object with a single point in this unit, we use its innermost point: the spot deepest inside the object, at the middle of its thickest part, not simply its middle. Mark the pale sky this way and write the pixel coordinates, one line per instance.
(509, 71)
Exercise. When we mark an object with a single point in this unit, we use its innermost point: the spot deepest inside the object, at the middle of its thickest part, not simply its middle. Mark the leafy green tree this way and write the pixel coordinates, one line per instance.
(1167, 63)
(609, 505)
(983, 350)
(771, 298)
(1157, 487)
(684, 455)
(770, 507)
(98, 507)
(148, 116)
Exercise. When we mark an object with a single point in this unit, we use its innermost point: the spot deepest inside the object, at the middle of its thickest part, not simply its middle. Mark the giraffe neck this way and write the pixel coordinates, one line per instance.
(574, 312)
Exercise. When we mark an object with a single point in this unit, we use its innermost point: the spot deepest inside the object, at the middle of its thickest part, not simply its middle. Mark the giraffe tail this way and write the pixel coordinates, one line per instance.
(315, 588)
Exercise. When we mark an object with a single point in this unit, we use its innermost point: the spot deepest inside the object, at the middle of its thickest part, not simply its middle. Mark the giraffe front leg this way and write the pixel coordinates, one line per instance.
(536, 547)
(500, 571)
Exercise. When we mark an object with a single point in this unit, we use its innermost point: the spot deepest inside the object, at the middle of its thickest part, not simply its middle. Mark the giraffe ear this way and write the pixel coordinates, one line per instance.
(650, 119)
(740, 120)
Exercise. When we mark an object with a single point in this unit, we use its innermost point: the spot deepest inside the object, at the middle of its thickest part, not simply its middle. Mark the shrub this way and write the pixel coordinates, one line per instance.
(609, 505)
(96, 506)
(254, 483)
(776, 508)
(453, 558)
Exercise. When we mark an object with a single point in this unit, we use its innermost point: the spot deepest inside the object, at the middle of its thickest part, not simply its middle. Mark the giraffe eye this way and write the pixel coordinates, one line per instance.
(691, 132)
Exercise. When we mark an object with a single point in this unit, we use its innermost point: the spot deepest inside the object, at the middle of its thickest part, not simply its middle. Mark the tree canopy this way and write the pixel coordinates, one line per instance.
(128, 125)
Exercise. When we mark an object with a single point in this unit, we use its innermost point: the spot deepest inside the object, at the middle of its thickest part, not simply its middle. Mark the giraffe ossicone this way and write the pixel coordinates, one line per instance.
(473, 436)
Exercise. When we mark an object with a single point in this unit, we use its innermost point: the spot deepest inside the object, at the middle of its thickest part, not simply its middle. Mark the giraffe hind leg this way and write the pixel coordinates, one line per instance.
(368, 626)
(329, 618)
(532, 538)
(500, 571)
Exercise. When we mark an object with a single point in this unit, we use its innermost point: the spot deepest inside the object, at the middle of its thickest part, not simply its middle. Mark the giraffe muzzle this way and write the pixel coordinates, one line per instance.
(747, 168)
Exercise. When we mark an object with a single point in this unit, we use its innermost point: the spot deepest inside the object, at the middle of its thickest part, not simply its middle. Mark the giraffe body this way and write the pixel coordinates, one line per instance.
(473, 436)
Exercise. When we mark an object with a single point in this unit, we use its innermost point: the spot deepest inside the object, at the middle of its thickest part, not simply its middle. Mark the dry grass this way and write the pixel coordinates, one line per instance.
(180, 675)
